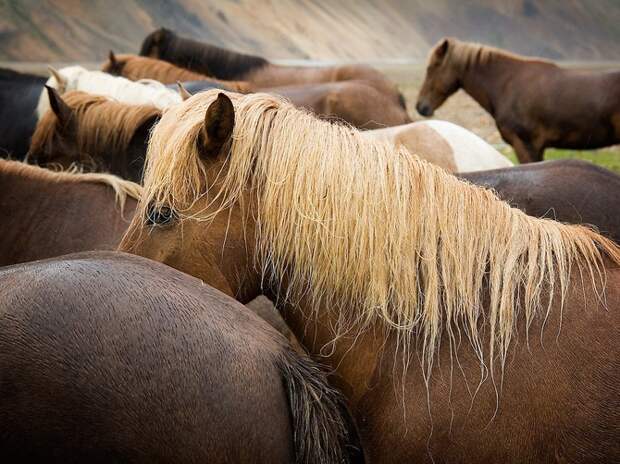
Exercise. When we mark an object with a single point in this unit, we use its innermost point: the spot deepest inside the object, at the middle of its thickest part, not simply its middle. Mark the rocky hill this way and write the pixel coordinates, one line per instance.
(369, 30)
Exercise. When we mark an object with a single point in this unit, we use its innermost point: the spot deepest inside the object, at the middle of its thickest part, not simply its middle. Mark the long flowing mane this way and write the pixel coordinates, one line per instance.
(202, 57)
(118, 88)
(122, 188)
(467, 54)
(139, 67)
(104, 126)
(372, 232)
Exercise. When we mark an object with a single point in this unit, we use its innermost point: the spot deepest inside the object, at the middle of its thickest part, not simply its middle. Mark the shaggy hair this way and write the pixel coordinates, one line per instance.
(122, 188)
(466, 54)
(136, 67)
(144, 92)
(104, 126)
(371, 232)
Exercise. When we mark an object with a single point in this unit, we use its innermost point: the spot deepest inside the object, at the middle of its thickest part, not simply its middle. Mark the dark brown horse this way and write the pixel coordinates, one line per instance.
(107, 357)
(229, 65)
(438, 306)
(536, 104)
(95, 132)
(48, 214)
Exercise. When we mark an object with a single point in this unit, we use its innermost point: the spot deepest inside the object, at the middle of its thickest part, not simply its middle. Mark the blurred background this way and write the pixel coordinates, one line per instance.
(393, 35)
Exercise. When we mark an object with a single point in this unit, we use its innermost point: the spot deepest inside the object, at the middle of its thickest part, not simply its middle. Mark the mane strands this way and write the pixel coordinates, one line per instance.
(469, 53)
(122, 188)
(371, 232)
(102, 123)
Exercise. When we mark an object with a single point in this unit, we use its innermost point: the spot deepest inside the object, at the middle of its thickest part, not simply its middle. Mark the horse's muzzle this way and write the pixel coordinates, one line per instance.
(424, 109)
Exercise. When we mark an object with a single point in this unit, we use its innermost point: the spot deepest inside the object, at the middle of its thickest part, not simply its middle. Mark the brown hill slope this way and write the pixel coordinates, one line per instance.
(73, 30)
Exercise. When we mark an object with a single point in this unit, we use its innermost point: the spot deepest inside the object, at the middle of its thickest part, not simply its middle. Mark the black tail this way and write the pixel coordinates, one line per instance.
(324, 432)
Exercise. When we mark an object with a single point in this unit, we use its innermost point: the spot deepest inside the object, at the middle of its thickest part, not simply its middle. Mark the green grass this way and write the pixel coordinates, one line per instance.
(607, 157)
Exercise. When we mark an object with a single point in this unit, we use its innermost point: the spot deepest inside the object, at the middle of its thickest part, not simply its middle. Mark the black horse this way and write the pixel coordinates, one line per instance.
(19, 96)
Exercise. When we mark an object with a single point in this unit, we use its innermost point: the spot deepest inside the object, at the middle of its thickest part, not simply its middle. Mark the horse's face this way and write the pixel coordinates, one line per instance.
(442, 80)
(218, 251)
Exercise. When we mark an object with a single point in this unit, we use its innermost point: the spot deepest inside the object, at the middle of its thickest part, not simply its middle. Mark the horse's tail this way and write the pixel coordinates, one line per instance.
(322, 427)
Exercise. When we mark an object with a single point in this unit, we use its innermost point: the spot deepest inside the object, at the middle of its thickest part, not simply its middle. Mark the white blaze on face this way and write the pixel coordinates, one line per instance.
(470, 152)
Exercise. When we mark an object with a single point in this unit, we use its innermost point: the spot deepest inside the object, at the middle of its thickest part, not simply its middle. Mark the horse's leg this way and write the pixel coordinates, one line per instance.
(526, 152)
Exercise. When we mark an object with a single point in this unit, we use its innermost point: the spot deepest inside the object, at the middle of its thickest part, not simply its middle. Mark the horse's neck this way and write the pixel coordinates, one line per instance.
(485, 82)
(353, 357)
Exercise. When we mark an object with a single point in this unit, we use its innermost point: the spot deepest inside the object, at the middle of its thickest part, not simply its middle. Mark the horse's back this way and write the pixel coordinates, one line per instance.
(471, 153)
(111, 357)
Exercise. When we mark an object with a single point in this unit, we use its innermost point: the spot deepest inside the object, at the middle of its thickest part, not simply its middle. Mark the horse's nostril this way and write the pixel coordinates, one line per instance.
(423, 109)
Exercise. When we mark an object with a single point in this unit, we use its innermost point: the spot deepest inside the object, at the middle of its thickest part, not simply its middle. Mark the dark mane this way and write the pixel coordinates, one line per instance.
(200, 57)
(11, 75)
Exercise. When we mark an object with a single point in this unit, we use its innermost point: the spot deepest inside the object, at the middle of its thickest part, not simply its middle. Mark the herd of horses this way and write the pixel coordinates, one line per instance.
(462, 309)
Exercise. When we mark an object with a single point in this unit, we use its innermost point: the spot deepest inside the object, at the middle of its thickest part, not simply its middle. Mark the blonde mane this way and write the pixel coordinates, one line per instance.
(467, 54)
(370, 231)
(122, 188)
(141, 67)
(104, 127)
(117, 88)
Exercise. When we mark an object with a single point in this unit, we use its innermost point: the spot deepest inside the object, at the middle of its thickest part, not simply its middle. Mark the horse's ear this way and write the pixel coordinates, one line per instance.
(62, 111)
(112, 58)
(442, 49)
(183, 91)
(60, 79)
(219, 124)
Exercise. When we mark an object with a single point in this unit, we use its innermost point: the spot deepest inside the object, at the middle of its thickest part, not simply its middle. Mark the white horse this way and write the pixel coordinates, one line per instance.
(452, 147)
(100, 83)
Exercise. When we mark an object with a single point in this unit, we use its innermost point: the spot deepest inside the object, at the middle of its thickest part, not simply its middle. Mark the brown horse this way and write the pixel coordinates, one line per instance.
(107, 357)
(136, 67)
(536, 104)
(225, 64)
(413, 285)
(354, 102)
(50, 213)
(95, 132)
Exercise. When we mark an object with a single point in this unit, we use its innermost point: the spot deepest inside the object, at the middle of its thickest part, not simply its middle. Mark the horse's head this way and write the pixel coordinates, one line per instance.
(442, 79)
(183, 219)
(157, 41)
(114, 65)
(51, 141)
(94, 132)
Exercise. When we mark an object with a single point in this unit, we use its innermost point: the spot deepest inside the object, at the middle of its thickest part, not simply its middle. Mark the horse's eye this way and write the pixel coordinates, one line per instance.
(159, 215)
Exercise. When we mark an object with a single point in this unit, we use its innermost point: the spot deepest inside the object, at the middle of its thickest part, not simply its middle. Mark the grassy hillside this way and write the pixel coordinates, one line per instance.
(74, 30)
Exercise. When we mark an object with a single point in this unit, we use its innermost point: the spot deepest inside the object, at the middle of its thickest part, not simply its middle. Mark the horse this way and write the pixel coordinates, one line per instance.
(568, 190)
(108, 357)
(136, 67)
(535, 103)
(354, 102)
(50, 213)
(437, 305)
(447, 145)
(19, 94)
(95, 132)
(224, 64)
(99, 83)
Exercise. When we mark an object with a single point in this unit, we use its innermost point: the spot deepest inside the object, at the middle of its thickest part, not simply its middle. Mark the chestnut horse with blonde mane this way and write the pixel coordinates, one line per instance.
(437, 305)
(535, 103)
(226, 64)
(95, 132)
